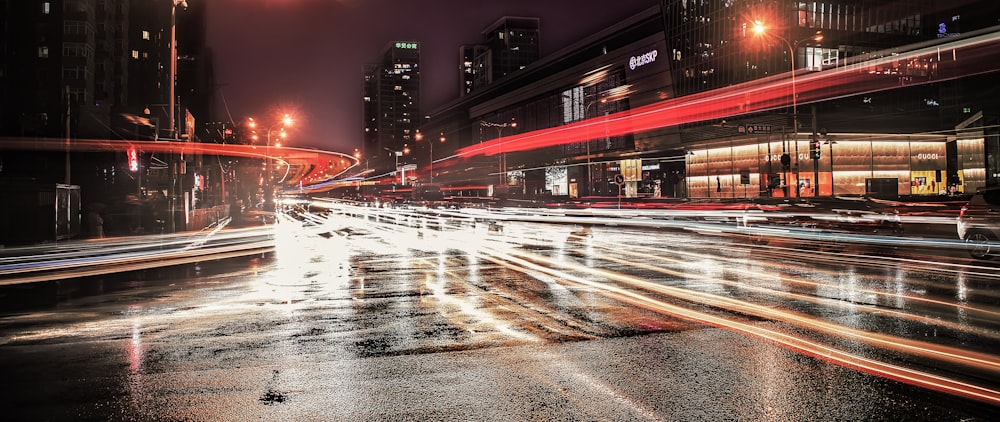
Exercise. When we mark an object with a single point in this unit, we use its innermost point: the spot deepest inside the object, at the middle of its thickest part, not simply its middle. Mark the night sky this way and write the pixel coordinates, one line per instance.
(307, 57)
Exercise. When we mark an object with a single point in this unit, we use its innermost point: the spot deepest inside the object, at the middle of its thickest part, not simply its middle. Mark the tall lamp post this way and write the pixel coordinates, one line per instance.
(285, 121)
(430, 164)
(586, 113)
(760, 29)
(395, 170)
(500, 127)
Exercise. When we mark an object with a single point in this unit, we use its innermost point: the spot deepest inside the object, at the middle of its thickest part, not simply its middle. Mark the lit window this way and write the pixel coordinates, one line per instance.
(43, 52)
(135, 54)
(46, 7)
(145, 35)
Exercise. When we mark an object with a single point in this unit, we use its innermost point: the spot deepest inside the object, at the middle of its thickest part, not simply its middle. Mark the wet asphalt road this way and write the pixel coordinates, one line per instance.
(362, 320)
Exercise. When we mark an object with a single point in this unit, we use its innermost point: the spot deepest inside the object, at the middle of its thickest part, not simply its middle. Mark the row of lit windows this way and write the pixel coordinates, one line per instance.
(816, 58)
(518, 34)
(856, 18)
(909, 26)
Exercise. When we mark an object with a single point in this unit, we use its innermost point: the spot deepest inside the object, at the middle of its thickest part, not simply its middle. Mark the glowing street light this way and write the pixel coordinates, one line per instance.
(395, 170)
(500, 127)
(760, 29)
(430, 166)
(286, 120)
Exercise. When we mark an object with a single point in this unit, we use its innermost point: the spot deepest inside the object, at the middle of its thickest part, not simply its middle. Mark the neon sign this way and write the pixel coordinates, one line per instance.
(635, 62)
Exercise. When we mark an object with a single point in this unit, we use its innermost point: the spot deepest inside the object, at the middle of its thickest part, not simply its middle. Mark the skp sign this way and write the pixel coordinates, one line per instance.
(635, 62)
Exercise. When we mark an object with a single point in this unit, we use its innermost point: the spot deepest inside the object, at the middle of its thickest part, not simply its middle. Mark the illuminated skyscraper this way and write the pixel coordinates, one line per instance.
(392, 101)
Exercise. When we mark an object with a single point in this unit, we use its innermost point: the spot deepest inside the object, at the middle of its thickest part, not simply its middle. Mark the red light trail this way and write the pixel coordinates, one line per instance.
(311, 166)
(893, 69)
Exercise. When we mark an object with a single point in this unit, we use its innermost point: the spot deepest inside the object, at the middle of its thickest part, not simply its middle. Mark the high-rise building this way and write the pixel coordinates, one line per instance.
(508, 45)
(99, 59)
(53, 52)
(392, 103)
(97, 70)
(467, 70)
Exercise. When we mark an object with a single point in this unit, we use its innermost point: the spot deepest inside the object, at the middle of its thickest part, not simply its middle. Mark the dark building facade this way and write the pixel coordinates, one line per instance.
(589, 79)
(508, 45)
(98, 59)
(868, 110)
(832, 143)
(90, 70)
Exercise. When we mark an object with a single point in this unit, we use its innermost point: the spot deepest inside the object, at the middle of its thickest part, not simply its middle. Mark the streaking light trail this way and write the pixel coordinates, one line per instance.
(880, 71)
(303, 165)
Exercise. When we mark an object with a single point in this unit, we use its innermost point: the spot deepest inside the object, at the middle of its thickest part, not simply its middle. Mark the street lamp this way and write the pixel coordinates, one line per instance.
(586, 113)
(430, 165)
(395, 170)
(285, 121)
(500, 127)
(760, 29)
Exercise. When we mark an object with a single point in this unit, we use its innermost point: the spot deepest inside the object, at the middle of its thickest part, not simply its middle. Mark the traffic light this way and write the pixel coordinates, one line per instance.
(133, 159)
(814, 149)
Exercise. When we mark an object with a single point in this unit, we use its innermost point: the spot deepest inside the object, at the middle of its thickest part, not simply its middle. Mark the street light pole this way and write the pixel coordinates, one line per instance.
(286, 120)
(395, 169)
(502, 164)
(586, 111)
(759, 29)
(430, 164)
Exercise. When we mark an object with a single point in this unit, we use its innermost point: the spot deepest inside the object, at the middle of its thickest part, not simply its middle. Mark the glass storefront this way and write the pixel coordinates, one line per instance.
(847, 165)
(971, 164)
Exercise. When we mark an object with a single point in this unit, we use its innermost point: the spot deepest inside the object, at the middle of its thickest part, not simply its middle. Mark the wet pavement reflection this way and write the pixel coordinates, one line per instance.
(378, 314)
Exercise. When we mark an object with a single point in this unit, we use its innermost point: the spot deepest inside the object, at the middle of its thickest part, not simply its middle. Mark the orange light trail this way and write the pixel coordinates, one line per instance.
(828, 353)
(312, 166)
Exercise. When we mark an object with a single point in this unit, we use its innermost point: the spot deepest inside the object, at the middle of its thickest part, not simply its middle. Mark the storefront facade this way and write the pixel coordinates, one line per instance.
(872, 148)
(848, 164)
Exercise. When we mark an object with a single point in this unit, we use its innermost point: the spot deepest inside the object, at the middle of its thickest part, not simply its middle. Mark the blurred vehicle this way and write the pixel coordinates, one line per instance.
(978, 223)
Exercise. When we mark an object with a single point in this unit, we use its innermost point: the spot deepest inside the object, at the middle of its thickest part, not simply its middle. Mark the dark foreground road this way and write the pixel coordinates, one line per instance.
(661, 376)
(387, 322)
